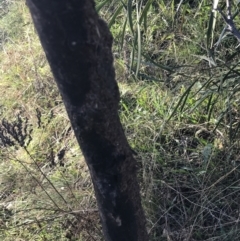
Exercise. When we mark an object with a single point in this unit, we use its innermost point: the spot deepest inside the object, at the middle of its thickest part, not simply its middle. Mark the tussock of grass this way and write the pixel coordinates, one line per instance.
(189, 173)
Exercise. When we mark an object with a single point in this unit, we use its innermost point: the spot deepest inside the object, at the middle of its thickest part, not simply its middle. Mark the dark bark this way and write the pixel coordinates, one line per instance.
(78, 45)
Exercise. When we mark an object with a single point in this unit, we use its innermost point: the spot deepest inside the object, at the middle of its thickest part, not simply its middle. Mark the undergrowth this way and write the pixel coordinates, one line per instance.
(180, 112)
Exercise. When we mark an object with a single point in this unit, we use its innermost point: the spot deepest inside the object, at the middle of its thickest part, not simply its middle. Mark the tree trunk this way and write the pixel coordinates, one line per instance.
(78, 45)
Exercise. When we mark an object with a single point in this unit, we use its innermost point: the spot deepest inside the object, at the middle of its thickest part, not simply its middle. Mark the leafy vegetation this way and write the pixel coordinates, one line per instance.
(179, 83)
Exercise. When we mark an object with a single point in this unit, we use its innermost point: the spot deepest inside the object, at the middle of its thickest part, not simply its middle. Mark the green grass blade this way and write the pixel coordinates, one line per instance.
(164, 67)
(182, 101)
(210, 31)
(139, 47)
(219, 120)
(123, 32)
(227, 76)
(145, 12)
(209, 106)
(133, 53)
(209, 102)
(100, 5)
(112, 20)
(210, 111)
(199, 101)
(129, 14)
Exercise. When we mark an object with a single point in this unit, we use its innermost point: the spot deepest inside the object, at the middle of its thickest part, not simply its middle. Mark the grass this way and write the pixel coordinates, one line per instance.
(179, 108)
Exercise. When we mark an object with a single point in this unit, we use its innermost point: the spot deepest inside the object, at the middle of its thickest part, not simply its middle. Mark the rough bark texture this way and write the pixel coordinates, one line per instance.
(78, 45)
